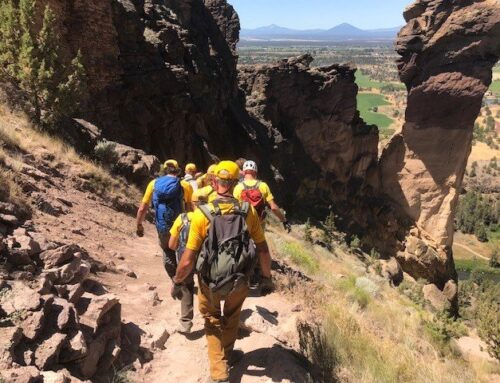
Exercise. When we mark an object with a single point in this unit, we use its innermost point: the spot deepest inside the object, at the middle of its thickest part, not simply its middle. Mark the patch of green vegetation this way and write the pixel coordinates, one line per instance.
(366, 82)
(495, 86)
(300, 256)
(443, 328)
(367, 103)
(355, 292)
(478, 214)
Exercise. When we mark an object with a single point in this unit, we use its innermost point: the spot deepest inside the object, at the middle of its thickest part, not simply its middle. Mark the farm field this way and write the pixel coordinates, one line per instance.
(368, 104)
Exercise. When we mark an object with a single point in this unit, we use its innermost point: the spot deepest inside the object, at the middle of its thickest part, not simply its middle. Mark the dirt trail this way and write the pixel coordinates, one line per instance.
(109, 237)
(470, 250)
(185, 358)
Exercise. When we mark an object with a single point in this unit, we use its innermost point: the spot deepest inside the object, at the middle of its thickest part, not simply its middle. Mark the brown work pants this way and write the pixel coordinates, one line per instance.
(221, 327)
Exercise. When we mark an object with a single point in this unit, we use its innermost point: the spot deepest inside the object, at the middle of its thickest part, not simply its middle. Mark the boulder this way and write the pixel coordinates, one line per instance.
(472, 349)
(47, 353)
(70, 292)
(94, 314)
(9, 339)
(135, 164)
(59, 256)
(72, 273)
(21, 299)
(33, 325)
(391, 269)
(435, 297)
(27, 374)
(74, 349)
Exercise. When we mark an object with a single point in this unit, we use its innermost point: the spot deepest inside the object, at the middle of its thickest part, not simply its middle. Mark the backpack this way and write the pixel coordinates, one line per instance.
(167, 201)
(183, 236)
(228, 255)
(253, 196)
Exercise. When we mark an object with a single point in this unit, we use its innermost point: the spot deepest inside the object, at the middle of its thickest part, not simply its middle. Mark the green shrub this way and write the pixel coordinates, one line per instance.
(300, 256)
(105, 152)
(355, 243)
(488, 317)
(443, 327)
(308, 232)
(355, 292)
(413, 291)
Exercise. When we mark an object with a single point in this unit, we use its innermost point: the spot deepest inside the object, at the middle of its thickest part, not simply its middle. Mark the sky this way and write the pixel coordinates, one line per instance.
(324, 14)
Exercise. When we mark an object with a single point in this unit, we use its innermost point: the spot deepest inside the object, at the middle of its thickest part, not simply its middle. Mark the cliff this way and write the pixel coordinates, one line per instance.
(447, 53)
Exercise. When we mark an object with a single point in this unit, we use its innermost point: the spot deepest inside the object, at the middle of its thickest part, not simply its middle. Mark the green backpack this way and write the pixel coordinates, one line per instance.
(228, 255)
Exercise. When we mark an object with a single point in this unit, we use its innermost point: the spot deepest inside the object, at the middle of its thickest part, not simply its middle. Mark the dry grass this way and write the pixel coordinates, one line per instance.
(365, 337)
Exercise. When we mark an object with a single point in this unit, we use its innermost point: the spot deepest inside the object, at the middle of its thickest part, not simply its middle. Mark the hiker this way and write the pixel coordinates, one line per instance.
(190, 176)
(167, 196)
(223, 270)
(208, 193)
(205, 179)
(241, 162)
(178, 240)
(258, 194)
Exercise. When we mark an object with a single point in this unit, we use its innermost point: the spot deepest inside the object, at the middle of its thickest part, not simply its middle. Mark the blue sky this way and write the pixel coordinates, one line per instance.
(304, 14)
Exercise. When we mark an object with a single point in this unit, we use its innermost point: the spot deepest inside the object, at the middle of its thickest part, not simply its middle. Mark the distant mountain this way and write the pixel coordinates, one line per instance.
(340, 32)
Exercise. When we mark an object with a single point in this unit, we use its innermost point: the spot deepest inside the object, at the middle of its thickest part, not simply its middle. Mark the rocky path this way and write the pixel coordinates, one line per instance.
(269, 325)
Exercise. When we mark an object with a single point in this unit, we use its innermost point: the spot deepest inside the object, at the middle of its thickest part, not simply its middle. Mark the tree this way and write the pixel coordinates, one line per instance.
(29, 59)
(329, 227)
(495, 258)
(481, 233)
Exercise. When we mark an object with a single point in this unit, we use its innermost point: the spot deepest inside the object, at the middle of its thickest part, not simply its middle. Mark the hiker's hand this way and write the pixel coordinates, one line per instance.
(176, 292)
(266, 286)
(140, 230)
(287, 226)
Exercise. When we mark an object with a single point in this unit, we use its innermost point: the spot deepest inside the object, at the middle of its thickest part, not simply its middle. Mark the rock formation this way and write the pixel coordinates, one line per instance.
(162, 74)
(448, 49)
(310, 127)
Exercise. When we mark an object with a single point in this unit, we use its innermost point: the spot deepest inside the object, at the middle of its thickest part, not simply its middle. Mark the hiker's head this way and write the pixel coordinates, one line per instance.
(171, 167)
(197, 198)
(190, 169)
(227, 174)
(250, 168)
(211, 174)
(241, 162)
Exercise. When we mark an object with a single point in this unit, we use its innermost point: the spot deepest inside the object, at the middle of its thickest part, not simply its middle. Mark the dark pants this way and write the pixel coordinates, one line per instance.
(170, 264)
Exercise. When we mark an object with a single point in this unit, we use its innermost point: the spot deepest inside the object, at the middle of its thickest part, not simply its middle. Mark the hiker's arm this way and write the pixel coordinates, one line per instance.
(141, 213)
(264, 259)
(186, 265)
(277, 211)
(173, 242)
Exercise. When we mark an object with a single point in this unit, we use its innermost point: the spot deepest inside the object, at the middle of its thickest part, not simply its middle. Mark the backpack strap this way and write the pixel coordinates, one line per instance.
(185, 219)
(245, 208)
(207, 212)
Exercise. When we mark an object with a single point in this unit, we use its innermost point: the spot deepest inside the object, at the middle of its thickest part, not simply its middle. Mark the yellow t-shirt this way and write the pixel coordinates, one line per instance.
(206, 194)
(178, 225)
(200, 224)
(263, 187)
(148, 195)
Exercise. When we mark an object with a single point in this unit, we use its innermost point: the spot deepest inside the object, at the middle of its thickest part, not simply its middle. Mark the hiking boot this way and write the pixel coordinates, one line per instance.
(184, 327)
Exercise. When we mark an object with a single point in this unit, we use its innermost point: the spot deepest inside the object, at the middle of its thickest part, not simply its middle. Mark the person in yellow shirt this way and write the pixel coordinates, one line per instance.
(221, 325)
(258, 194)
(206, 179)
(207, 193)
(178, 241)
(169, 198)
(190, 175)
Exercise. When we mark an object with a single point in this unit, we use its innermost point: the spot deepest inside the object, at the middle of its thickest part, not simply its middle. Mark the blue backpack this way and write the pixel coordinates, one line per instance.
(167, 201)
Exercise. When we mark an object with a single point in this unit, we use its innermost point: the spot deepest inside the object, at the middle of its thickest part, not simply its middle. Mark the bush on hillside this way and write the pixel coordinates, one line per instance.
(106, 154)
(476, 214)
(308, 231)
(29, 59)
(488, 317)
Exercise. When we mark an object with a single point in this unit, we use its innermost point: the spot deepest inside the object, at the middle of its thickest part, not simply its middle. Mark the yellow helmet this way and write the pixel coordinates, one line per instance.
(211, 169)
(190, 168)
(171, 164)
(227, 170)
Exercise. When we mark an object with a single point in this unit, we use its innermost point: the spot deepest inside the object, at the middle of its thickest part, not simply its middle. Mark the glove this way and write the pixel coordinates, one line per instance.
(140, 231)
(176, 292)
(266, 286)
(287, 226)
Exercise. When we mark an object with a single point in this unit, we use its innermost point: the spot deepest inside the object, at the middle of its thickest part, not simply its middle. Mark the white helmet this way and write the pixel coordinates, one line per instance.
(250, 165)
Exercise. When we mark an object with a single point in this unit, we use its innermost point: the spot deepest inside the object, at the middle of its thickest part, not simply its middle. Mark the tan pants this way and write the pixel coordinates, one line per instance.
(221, 330)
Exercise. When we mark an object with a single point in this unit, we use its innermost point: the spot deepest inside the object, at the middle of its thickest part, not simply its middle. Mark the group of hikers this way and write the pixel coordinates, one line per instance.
(212, 225)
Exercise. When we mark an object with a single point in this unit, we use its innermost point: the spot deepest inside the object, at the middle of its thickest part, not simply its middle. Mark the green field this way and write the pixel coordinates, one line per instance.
(495, 86)
(364, 81)
(366, 102)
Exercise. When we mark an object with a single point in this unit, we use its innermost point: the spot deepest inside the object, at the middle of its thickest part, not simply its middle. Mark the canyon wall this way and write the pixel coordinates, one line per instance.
(447, 49)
